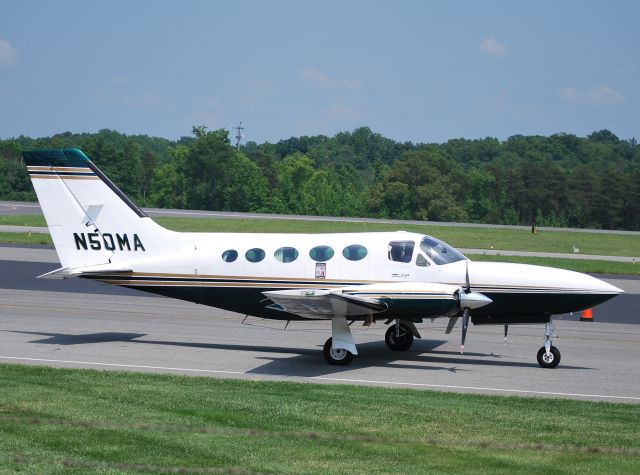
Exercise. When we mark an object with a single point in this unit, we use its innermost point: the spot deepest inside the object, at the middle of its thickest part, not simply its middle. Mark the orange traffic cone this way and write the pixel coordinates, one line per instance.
(587, 316)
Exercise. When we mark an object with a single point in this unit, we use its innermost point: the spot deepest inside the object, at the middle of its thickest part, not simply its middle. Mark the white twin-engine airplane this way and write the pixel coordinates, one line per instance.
(399, 277)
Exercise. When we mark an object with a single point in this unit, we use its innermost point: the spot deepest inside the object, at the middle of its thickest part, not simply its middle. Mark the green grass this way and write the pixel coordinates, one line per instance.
(25, 238)
(34, 220)
(476, 238)
(579, 265)
(75, 421)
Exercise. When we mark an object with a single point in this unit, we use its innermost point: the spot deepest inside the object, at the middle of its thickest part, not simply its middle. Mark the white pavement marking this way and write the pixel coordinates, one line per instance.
(326, 378)
(5, 228)
(119, 365)
(476, 388)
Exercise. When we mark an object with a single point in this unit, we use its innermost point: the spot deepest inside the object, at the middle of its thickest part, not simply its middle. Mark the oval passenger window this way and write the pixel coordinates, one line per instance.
(229, 255)
(254, 255)
(355, 252)
(321, 253)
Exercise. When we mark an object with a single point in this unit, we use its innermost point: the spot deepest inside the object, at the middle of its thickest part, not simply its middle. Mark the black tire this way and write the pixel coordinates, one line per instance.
(400, 342)
(550, 361)
(336, 357)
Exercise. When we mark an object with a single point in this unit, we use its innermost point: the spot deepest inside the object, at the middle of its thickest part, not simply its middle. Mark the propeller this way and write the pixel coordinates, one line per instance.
(506, 330)
(469, 300)
(465, 325)
(466, 277)
(466, 311)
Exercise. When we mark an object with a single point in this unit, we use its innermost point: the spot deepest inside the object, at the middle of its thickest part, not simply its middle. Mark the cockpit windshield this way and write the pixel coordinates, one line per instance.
(439, 252)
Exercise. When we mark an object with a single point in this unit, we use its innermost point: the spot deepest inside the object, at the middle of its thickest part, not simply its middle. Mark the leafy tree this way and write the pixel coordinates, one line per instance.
(220, 177)
(424, 184)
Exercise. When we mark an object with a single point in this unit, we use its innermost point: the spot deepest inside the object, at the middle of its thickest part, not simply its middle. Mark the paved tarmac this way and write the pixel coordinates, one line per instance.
(152, 334)
(75, 323)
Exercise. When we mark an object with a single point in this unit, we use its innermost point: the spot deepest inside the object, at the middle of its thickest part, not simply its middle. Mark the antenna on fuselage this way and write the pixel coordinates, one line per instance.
(239, 134)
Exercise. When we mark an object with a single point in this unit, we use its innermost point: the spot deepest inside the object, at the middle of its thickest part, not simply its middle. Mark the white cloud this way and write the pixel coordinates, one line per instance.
(601, 95)
(605, 95)
(8, 54)
(321, 80)
(492, 47)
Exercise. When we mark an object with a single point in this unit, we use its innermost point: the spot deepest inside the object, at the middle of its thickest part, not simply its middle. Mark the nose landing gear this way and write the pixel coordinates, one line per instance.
(549, 355)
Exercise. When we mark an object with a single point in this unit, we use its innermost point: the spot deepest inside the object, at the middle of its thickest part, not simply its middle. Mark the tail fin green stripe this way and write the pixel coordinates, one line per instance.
(70, 157)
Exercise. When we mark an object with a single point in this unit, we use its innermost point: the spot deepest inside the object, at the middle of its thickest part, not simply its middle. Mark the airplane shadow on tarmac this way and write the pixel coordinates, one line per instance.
(309, 362)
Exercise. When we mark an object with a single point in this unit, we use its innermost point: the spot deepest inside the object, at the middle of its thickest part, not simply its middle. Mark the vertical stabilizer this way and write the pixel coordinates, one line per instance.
(90, 220)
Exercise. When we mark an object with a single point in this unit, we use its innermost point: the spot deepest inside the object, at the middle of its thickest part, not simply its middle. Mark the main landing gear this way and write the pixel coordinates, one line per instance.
(399, 337)
(340, 348)
(549, 355)
(336, 356)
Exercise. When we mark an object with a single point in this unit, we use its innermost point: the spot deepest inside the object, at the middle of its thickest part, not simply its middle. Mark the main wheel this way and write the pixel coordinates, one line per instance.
(336, 356)
(401, 341)
(550, 360)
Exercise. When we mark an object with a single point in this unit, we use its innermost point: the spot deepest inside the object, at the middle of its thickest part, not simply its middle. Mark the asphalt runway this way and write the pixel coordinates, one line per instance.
(81, 324)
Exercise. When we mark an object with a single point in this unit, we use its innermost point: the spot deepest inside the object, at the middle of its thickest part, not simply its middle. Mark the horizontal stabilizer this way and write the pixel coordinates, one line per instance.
(66, 272)
(321, 304)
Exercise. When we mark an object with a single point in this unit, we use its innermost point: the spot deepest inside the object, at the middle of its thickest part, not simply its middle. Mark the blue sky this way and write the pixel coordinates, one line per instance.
(421, 71)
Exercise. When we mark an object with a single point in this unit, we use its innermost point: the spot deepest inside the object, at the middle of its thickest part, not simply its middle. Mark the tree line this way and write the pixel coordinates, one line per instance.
(560, 180)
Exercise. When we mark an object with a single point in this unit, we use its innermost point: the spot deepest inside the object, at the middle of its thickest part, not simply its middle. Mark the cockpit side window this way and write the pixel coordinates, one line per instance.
(401, 251)
(422, 261)
(439, 252)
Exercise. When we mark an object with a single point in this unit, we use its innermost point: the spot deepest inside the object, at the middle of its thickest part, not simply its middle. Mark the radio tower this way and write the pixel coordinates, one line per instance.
(239, 134)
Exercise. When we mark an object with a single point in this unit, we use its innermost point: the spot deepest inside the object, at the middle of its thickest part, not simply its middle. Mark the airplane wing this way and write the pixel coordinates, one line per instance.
(66, 272)
(322, 304)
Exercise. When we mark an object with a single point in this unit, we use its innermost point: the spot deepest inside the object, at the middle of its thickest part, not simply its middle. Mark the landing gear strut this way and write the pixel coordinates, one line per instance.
(340, 348)
(336, 356)
(549, 355)
(399, 337)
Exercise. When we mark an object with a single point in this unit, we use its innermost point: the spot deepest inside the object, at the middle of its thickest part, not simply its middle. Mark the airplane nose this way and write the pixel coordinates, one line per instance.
(600, 286)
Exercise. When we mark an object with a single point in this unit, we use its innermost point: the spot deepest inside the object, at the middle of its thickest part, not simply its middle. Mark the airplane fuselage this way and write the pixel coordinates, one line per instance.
(197, 271)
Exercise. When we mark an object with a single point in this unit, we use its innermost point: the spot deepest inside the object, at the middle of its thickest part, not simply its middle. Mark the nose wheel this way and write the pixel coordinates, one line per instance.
(549, 359)
(399, 337)
(549, 355)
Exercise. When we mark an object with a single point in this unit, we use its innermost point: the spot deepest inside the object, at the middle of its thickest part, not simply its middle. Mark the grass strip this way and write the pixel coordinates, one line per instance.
(476, 238)
(56, 420)
(25, 238)
(579, 265)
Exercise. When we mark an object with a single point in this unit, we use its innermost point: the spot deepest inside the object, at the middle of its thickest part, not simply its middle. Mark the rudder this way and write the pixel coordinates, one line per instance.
(90, 219)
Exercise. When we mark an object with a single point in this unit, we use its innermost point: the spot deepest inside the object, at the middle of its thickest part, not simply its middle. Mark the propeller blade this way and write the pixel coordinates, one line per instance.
(506, 330)
(467, 276)
(465, 325)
